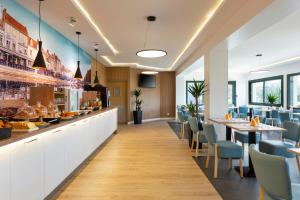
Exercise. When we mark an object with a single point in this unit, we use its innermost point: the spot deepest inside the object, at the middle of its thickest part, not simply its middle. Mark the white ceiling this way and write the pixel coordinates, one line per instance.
(122, 25)
(278, 39)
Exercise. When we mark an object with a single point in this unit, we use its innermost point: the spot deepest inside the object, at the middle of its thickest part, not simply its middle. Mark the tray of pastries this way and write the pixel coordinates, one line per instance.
(25, 112)
(23, 126)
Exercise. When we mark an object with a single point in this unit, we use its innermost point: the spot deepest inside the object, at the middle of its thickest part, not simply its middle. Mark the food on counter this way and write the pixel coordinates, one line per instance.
(41, 124)
(8, 112)
(26, 112)
(23, 125)
(5, 124)
(41, 110)
(52, 110)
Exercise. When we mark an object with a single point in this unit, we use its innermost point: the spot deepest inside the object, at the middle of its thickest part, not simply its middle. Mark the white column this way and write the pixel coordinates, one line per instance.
(216, 78)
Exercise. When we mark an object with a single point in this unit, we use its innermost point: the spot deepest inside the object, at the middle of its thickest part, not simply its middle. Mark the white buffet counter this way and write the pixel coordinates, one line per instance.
(31, 168)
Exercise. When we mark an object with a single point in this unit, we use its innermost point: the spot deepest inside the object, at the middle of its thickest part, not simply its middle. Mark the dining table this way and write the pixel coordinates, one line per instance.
(251, 130)
(225, 122)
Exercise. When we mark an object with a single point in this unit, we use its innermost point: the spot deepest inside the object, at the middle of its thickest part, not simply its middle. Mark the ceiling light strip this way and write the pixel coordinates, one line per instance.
(208, 17)
(137, 65)
(94, 25)
(280, 62)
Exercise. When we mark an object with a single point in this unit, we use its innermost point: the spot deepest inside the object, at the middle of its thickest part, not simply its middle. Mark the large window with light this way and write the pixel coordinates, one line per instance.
(293, 92)
(231, 93)
(260, 89)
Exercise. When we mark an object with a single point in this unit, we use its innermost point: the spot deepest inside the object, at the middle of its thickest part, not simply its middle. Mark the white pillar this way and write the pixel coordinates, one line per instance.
(216, 78)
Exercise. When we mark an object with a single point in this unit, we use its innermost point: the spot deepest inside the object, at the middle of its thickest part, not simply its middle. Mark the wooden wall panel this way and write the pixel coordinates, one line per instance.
(167, 97)
(101, 72)
(150, 97)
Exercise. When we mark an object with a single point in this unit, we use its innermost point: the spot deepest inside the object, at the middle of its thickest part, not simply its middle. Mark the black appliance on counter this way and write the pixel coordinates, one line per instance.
(103, 91)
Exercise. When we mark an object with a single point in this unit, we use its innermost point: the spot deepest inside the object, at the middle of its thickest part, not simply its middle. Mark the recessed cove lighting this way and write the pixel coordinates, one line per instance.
(259, 71)
(149, 72)
(151, 53)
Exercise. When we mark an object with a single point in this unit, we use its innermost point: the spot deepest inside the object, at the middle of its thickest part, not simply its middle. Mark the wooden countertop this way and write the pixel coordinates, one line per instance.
(20, 136)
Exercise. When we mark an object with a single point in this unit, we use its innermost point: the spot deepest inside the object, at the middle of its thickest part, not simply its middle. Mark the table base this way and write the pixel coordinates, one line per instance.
(247, 172)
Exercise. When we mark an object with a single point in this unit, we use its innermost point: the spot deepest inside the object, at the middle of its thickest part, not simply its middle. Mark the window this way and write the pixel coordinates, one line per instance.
(293, 92)
(231, 93)
(189, 97)
(260, 89)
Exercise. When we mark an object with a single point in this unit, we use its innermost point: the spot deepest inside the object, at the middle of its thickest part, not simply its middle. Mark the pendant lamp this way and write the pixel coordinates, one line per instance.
(78, 72)
(150, 53)
(39, 62)
(96, 80)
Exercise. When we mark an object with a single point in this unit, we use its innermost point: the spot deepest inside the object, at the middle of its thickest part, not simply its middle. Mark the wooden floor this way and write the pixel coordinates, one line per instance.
(140, 162)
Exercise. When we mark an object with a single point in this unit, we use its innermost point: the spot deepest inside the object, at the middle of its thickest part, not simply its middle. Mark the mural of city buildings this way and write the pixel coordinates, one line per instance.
(17, 53)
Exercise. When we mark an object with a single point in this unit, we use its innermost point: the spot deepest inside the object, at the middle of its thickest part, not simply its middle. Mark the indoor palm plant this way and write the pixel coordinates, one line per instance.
(197, 89)
(138, 113)
(272, 98)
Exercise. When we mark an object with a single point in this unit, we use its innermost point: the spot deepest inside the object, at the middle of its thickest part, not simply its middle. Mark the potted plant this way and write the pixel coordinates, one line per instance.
(272, 98)
(192, 108)
(197, 89)
(138, 113)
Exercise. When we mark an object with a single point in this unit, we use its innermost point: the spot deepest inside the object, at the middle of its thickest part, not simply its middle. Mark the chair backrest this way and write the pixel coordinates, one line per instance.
(180, 116)
(293, 131)
(257, 111)
(275, 114)
(194, 124)
(284, 116)
(243, 109)
(210, 133)
(272, 173)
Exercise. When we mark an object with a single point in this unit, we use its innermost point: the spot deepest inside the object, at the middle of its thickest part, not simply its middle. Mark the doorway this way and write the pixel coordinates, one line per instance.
(118, 98)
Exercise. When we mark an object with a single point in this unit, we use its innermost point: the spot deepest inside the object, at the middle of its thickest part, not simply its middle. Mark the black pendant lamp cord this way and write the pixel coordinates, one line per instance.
(78, 47)
(40, 3)
(146, 35)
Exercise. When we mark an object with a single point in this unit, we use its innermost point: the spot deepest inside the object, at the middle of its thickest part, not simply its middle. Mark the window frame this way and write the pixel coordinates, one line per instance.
(288, 99)
(233, 83)
(264, 80)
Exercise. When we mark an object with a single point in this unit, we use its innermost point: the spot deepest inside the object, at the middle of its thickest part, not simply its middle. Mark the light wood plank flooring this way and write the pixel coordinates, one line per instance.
(140, 162)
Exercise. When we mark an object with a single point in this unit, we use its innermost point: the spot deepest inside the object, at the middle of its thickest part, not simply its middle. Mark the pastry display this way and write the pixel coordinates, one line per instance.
(8, 112)
(41, 124)
(52, 110)
(23, 125)
(41, 110)
(26, 112)
(4, 124)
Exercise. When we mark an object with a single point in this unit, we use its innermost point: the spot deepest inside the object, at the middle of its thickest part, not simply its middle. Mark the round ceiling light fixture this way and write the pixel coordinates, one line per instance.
(149, 72)
(150, 53)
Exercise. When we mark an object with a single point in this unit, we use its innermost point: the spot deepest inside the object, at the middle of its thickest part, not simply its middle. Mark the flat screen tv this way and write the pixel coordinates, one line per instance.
(147, 81)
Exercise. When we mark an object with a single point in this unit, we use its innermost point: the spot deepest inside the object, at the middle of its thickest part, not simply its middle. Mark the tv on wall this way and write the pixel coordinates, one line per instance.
(147, 81)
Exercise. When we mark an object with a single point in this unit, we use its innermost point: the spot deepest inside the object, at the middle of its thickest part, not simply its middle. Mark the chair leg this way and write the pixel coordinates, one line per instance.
(216, 162)
(197, 145)
(182, 134)
(298, 162)
(229, 163)
(241, 168)
(207, 158)
(193, 141)
(261, 193)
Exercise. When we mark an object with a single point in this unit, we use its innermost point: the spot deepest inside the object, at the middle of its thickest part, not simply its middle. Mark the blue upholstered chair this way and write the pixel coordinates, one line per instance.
(183, 122)
(272, 173)
(284, 116)
(279, 148)
(244, 138)
(234, 114)
(198, 136)
(275, 118)
(243, 112)
(258, 113)
(221, 149)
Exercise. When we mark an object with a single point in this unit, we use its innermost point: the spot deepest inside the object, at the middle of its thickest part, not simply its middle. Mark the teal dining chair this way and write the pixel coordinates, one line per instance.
(272, 173)
(243, 112)
(221, 150)
(243, 137)
(274, 120)
(284, 116)
(280, 147)
(183, 122)
(198, 136)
